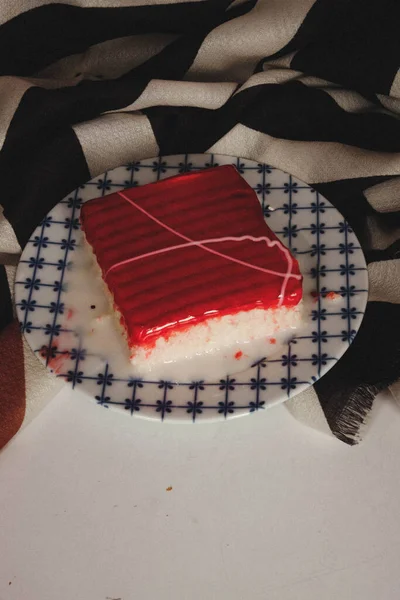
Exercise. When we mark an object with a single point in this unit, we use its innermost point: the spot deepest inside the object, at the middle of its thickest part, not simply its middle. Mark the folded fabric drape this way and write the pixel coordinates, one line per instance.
(309, 86)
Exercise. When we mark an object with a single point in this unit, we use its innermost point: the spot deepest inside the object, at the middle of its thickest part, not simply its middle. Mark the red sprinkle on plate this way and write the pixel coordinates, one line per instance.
(332, 296)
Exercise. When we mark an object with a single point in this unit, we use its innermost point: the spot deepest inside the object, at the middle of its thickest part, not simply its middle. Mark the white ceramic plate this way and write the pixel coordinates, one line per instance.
(335, 289)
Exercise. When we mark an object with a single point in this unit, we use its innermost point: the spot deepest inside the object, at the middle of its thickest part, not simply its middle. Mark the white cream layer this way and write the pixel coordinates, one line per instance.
(206, 351)
(229, 341)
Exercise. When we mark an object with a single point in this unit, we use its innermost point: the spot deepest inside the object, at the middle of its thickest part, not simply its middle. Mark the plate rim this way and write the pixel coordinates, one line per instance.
(302, 387)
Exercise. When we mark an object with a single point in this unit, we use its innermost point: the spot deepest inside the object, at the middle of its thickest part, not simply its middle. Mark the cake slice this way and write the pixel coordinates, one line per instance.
(191, 266)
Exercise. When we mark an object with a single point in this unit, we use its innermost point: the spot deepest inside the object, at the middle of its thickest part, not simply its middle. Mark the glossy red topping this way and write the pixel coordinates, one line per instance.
(169, 290)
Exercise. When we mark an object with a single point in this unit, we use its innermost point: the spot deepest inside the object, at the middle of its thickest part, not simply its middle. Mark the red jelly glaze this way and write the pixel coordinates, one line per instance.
(170, 292)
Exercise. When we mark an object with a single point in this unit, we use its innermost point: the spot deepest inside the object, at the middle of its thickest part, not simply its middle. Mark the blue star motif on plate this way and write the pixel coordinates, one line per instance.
(46, 222)
(290, 209)
(133, 166)
(346, 248)
(318, 249)
(253, 406)
(263, 188)
(262, 362)
(77, 354)
(74, 203)
(185, 167)
(227, 384)
(164, 406)
(40, 242)
(320, 360)
(194, 407)
(135, 383)
(321, 272)
(32, 283)
(258, 384)
(74, 377)
(35, 261)
(267, 210)
(71, 223)
(131, 184)
(318, 314)
(104, 184)
(240, 167)
(263, 168)
(105, 379)
(58, 286)
(133, 405)
(344, 269)
(344, 227)
(317, 207)
(317, 228)
(28, 305)
(57, 308)
(290, 231)
(61, 265)
(319, 336)
(159, 167)
(166, 385)
(70, 244)
(348, 336)
(289, 360)
(26, 327)
(226, 408)
(288, 384)
(290, 187)
(52, 329)
(48, 353)
(197, 385)
(349, 313)
(347, 291)
(103, 400)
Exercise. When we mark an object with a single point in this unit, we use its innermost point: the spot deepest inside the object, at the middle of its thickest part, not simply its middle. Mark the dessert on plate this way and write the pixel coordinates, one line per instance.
(192, 268)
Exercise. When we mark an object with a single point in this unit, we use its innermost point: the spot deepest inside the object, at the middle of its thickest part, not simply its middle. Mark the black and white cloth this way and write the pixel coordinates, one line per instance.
(309, 86)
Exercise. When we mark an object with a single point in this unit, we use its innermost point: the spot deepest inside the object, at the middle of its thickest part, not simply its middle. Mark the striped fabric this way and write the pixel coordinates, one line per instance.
(309, 86)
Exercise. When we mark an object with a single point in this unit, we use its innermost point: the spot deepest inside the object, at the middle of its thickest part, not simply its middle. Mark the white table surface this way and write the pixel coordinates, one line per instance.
(261, 508)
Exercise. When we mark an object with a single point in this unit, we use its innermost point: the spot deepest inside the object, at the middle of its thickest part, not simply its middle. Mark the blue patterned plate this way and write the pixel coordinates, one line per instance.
(335, 282)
